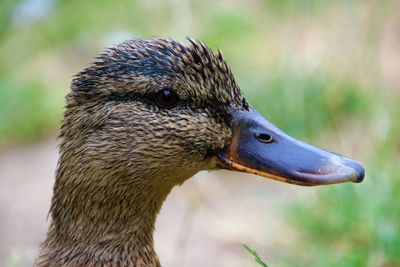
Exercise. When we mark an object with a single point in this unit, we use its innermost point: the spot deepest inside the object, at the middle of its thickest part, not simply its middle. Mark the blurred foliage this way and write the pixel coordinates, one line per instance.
(354, 226)
(313, 103)
(26, 112)
(315, 68)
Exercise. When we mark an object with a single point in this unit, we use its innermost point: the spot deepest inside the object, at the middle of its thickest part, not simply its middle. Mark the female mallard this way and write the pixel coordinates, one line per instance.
(145, 117)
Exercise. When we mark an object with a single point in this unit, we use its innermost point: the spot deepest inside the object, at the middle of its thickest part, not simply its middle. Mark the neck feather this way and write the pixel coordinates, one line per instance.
(101, 219)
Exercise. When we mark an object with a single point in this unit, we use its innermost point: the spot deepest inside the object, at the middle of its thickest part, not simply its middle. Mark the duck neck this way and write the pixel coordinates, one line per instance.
(102, 219)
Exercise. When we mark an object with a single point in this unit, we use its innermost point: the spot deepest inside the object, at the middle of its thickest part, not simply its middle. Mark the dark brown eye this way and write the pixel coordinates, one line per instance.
(166, 98)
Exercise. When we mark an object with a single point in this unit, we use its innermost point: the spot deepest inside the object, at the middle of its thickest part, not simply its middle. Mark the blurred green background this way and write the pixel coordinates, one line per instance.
(327, 72)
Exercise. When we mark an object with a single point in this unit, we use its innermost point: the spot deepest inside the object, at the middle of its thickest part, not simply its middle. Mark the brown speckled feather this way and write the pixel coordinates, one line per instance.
(121, 154)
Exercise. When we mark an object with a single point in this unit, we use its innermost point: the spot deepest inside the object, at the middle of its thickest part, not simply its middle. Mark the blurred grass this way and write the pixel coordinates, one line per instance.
(257, 257)
(320, 70)
(26, 113)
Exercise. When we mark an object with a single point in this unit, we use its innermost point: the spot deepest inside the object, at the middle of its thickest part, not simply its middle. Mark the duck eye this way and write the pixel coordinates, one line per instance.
(166, 98)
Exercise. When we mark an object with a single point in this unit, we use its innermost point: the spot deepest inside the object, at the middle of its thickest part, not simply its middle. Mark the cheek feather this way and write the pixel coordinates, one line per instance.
(165, 139)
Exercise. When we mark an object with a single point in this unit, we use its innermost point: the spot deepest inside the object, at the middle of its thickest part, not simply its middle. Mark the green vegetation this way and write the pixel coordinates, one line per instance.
(320, 70)
(26, 113)
(257, 258)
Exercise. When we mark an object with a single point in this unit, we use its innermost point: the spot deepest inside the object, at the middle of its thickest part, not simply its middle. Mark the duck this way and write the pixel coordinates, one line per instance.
(146, 116)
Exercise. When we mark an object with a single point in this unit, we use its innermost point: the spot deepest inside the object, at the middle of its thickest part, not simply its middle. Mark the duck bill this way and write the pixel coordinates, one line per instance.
(260, 148)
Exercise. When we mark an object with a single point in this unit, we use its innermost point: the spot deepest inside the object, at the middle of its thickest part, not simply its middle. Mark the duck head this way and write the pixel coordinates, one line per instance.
(170, 110)
(146, 116)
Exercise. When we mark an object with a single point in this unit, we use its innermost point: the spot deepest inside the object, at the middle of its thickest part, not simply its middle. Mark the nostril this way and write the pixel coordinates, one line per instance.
(265, 138)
